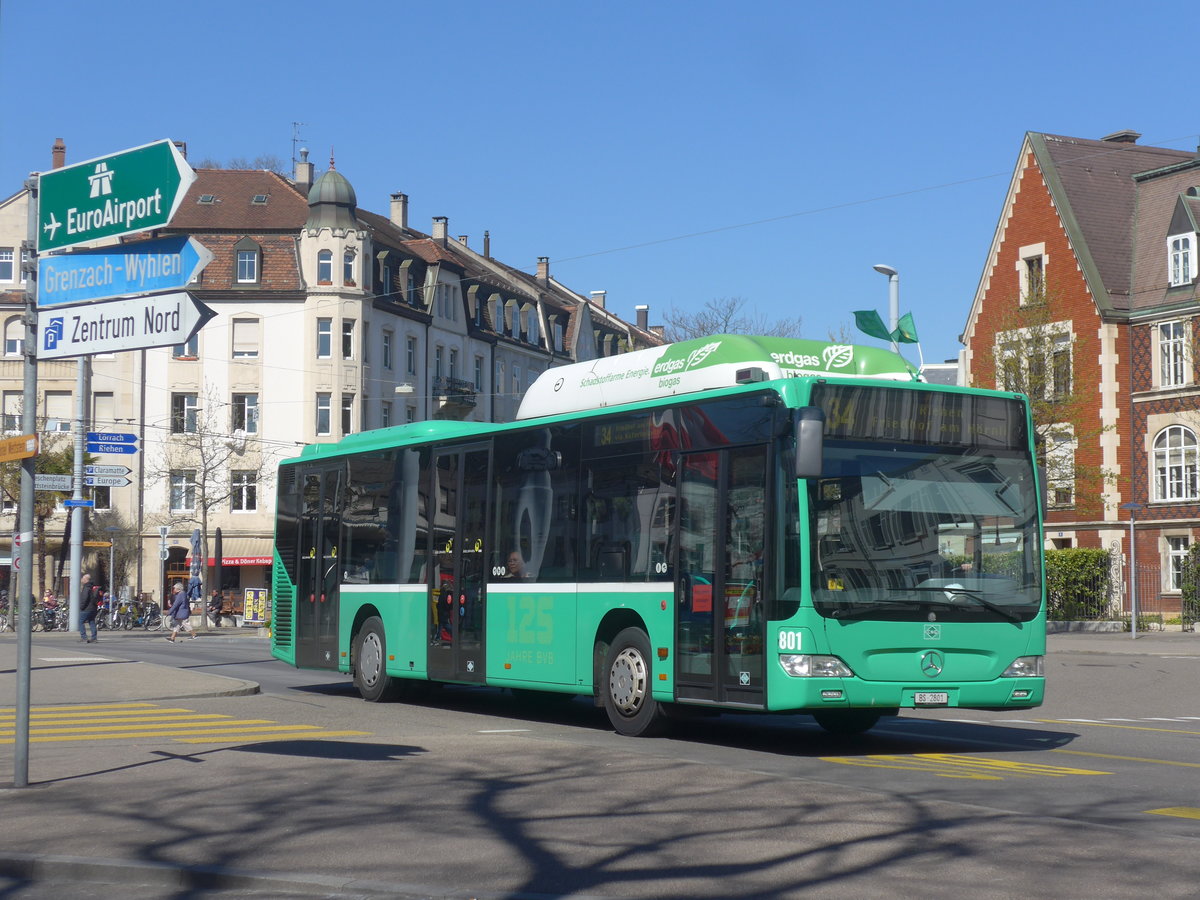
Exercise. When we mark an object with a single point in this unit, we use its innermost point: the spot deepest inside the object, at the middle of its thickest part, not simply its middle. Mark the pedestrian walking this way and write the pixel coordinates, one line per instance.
(89, 602)
(181, 610)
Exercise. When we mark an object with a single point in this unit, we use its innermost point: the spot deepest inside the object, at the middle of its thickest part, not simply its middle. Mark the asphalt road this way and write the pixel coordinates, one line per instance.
(304, 790)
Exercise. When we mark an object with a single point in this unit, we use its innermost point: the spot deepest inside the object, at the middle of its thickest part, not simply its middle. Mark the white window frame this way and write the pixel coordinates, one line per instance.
(1176, 548)
(1024, 256)
(246, 339)
(14, 336)
(1181, 259)
(1061, 447)
(325, 267)
(186, 420)
(183, 491)
(1175, 460)
(243, 491)
(8, 264)
(1172, 356)
(323, 424)
(387, 350)
(410, 355)
(247, 267)
(245, 412)
(324, 338)
(348, 338)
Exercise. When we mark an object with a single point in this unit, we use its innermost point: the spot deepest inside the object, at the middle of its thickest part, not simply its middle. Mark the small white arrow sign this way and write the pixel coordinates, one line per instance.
(106, 470)
(105, 480)
(133, 323)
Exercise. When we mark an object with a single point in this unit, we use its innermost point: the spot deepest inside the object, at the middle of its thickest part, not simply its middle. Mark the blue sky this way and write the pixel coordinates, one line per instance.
(668, 153)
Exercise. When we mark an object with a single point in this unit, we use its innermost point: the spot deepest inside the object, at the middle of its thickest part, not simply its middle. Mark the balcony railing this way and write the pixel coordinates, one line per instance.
(454, 392)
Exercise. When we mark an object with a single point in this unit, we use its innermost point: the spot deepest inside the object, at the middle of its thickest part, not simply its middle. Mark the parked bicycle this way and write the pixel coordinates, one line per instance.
(150, 616)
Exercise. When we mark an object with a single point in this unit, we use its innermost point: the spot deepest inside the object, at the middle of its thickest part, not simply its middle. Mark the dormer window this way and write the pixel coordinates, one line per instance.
(1181, 265)
(248, 254)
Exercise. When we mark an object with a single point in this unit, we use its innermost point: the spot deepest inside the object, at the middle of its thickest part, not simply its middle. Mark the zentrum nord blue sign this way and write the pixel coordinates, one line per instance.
(147, 267)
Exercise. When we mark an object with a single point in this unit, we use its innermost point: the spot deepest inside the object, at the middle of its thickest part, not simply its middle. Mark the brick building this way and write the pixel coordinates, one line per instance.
(1090, 285)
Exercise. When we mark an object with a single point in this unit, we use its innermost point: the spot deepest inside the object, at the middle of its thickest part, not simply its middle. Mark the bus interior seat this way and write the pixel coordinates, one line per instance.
(611, 560)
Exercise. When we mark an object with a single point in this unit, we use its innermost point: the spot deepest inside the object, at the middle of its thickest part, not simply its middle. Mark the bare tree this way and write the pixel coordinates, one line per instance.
(268, 161)
(56, 457)
(725, 315)
(208, 445)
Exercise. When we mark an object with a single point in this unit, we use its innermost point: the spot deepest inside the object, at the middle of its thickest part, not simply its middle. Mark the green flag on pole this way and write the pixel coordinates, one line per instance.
(868, 322)
(906, 331)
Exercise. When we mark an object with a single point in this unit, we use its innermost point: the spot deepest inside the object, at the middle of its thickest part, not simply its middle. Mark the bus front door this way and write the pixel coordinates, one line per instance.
(317, 591)
(457, 585)
(722, 543)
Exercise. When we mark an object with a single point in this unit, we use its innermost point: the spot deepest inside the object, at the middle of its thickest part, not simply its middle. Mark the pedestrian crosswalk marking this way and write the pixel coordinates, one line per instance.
(117, 721)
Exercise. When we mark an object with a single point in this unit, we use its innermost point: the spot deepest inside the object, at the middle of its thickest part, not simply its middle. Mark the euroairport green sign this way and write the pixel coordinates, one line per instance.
(127, 192)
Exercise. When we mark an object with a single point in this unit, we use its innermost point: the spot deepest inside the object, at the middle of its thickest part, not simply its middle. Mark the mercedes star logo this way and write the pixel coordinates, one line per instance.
(932, 663)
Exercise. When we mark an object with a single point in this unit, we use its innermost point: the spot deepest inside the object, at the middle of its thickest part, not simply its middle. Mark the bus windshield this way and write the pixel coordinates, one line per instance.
(926, 532)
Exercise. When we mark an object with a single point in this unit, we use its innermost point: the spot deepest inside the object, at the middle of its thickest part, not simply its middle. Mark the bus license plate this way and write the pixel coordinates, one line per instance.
(932, 698)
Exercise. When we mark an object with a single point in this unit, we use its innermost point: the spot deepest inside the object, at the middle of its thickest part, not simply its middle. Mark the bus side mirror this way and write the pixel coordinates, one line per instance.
(810, 441)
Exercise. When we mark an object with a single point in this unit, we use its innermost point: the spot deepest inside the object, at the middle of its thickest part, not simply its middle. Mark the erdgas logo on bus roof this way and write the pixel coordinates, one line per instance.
(835, 356)
(668, 366)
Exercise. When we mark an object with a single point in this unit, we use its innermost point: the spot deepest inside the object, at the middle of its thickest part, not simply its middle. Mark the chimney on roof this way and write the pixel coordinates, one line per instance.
(599, 298)
(487, 245)
(462, 239)
(182, 147)
(399, 216)
(543, 269)
(441, 226)
(304, 172)
(1122, 137)
(643, 317)
(58, 154)
(660, 330)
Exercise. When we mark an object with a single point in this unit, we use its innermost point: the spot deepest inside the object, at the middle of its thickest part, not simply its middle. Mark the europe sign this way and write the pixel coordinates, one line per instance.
(134, 190)
(145, 267)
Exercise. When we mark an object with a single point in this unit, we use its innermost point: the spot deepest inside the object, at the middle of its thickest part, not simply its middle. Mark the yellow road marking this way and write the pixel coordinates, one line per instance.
(214, 734)
(949, 765)
(1140, 759)
(1182, 812)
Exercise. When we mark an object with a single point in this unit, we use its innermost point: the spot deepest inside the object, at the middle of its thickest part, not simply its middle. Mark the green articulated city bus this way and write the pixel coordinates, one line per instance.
(731, 523)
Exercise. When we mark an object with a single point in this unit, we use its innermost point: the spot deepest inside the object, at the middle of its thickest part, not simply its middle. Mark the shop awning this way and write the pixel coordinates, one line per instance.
(240, 551)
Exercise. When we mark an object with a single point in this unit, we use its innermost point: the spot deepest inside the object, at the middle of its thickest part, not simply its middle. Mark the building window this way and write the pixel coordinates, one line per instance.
(245, 413)
(1175, 463)
(347, 339)
(12, 411)
(1031, 273)
(183, 491)
(189, 350)
(347, 413)
(101, 497)
(244, 491)
(324, 421)
(14, 336)
(1060, 465)
(1060, 367)
(410, 355)
(247, 266)
(1177, 551)
(479, 373)
(387, 350)
(324, 338)
(184, 411)
(7, 267)
(245, 338)
(385, 414)
(410, 414)
(59, 411)
(437, 362)
(1180, 258)
(453, 363)
(1171, 354)
(348, 268)
(325, 267)
(516, 381)
(104, 410)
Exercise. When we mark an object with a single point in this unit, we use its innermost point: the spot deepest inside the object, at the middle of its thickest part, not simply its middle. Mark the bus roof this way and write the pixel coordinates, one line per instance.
(721, 360)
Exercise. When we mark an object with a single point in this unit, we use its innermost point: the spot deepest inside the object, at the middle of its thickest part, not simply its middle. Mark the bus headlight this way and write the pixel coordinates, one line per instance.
(807, 665)
(1026, 667)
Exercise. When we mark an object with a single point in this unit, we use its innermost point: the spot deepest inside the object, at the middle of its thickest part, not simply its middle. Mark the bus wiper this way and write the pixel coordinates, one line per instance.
(868, 608)
(971, 593)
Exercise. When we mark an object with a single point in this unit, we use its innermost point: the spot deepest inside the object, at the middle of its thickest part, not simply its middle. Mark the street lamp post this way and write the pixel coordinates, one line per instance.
(893, 298)
(1133, 506)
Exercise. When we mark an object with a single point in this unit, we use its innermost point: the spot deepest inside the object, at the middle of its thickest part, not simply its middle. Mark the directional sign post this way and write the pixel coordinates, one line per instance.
(105, 442)
(44, 481)
(124, 193)
(106, 470)
(105, 480)
(135, 323)
(170, 264)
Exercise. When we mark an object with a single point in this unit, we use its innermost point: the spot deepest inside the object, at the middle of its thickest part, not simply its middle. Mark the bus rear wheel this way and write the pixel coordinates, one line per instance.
(848, 721)
(370, 661)
(627, 686)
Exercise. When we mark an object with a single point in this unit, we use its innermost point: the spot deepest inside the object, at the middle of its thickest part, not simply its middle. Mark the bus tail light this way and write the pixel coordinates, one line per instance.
(808, 665)
(1026, 667)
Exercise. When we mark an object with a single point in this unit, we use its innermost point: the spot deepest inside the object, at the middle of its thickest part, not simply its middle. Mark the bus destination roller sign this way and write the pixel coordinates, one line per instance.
(127, 192)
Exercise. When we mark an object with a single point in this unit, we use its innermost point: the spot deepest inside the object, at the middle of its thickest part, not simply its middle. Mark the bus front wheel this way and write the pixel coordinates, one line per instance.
(848, 721)
(627, 686)
(370, 656)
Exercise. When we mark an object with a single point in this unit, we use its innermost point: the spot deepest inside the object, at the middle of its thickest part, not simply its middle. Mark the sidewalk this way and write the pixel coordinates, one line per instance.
(64, 670)
(1147, 643)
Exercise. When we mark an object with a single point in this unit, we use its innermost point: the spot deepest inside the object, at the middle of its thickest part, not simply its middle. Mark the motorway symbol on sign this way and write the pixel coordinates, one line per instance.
(106, 470)
(147, 267)
(130, 191)
(134, 323)
(105, 480)
(97, 447)
(86, 503)
(44, 481)
(111, 437)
